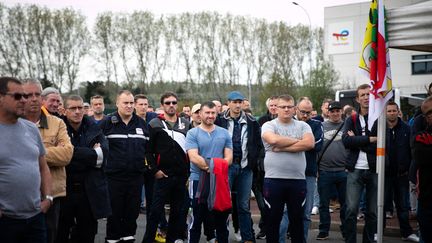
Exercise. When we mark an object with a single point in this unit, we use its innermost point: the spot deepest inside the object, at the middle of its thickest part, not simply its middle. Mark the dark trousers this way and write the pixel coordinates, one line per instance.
(281, 192)
(212, 220)
(257, 188)
(52, 219)
(76, 223)
(31, 230)
(125, 203)
(170, 189)
(148, 186)
(424, 217)
(397, 188)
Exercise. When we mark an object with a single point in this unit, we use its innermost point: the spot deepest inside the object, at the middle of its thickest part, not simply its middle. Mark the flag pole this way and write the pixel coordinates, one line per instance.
(381, 172)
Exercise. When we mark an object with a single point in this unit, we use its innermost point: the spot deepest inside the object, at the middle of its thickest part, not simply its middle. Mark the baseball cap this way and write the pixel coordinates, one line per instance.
(235, 95)
(196, 108)
(334, 105)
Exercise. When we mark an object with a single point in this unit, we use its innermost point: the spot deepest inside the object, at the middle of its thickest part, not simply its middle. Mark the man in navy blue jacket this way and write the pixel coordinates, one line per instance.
(398, 154)
(87, 198)
(361, 166)
(127, 136)
(245, 132)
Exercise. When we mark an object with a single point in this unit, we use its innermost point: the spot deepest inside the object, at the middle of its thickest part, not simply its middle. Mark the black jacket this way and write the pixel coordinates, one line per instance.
(254, 143)
(128, 146)
(359, 142)
(82, 168)
(398, 149)
(168, 154)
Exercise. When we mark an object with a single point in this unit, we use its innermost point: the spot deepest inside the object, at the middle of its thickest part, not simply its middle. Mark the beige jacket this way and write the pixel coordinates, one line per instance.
(59, 150)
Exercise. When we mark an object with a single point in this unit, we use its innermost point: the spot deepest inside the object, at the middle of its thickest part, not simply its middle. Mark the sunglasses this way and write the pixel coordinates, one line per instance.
(170, 102)
(17, 96)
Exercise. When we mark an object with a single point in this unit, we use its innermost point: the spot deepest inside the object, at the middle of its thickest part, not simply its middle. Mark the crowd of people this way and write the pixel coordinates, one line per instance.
(65, 164)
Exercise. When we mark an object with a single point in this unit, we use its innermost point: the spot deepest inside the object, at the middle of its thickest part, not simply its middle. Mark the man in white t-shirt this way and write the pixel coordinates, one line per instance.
(361, 165)
(285, 140)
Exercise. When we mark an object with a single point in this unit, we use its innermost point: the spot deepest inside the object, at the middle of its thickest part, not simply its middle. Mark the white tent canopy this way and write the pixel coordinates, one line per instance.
(410, 27)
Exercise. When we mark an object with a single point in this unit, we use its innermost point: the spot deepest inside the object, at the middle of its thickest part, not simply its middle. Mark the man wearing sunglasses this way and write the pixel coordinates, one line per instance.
(58, 146)
(170, 166)
(25, 180)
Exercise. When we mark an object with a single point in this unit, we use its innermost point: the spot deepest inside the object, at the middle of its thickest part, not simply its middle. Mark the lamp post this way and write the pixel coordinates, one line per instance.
(310, 46)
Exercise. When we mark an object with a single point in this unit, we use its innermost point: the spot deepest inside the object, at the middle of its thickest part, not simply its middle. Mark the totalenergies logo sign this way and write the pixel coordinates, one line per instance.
(342, 35)
(340, 38)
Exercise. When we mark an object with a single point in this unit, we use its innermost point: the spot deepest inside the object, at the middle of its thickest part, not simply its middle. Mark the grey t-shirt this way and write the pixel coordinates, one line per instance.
(20, 181)
(336, 155)
(285, 165)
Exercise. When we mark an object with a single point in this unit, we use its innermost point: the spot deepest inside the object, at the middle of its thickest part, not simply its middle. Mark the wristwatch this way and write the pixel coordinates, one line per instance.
(49, 198)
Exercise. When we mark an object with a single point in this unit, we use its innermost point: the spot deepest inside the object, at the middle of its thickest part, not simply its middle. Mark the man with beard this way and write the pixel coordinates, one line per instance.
(205, 142)
(87, 197)
(25, 181)
(170, 167)
(98, 107)
(57, 144)
(127, 137)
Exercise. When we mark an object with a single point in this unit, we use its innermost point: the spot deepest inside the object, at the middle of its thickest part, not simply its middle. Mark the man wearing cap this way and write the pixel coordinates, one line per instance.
(245, 133)
(195, 116)
(331, 169)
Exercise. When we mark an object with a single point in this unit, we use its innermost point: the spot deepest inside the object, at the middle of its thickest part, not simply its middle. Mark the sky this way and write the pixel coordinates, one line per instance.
(272, 10)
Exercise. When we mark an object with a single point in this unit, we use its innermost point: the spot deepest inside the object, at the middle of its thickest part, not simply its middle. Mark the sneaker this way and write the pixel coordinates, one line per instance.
(412, 238)
(315, 210)
(360, 216)
(389, 215)
(261, 235)
(331, 210)
(322, 236)
(160, 238)
(179, 241)
(237, 236)
(212, 240)
(375, 237)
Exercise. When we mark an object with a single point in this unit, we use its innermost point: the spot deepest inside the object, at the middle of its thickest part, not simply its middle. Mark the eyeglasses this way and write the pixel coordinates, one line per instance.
(305, 113)
(170, 102)
(284, 107)
(17, 96)
(76, 108)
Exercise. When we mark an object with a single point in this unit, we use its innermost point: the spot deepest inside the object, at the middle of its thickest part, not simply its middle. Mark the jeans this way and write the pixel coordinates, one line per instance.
(212, 220)
(327, 180)
(400, 189)
(31, 230)
(357, 180)
(170, 190)
(309, 202)
(277, 194)
(241, 180)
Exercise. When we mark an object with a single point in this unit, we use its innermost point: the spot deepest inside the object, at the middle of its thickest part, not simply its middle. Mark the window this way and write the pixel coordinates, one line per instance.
(421, 64)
